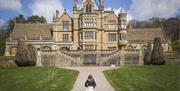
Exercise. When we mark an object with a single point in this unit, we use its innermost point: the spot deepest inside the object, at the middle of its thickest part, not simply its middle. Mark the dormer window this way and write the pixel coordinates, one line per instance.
(88, 8)
(65, 24)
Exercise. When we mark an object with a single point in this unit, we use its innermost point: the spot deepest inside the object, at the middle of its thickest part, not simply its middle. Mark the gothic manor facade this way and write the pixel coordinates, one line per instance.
(91, 28)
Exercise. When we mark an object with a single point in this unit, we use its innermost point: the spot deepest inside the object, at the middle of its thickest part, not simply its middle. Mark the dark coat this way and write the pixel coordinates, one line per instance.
(90, 82)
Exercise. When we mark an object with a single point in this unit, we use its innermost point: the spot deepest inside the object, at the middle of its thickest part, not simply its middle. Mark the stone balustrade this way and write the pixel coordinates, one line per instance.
(131, 50)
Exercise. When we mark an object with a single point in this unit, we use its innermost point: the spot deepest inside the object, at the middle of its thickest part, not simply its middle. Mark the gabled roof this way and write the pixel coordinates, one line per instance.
(32, 31)
(145, 35)
(111, 14)
(84, 1)
(64, 14)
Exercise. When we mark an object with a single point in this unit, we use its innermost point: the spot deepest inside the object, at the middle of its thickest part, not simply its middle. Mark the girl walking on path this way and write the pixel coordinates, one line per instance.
(90, 84)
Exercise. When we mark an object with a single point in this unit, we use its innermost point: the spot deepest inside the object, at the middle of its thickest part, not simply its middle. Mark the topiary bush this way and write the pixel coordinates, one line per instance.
(157, 56)
(25, 55)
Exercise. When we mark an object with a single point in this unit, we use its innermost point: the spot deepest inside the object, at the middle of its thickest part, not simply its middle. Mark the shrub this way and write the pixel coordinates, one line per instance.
(176, 46)
(157, 56)
(147, 56)
(2, 46)
(25, 55)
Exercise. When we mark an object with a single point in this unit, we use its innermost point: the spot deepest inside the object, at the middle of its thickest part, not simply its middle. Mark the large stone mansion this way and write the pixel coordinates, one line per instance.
(90, 28)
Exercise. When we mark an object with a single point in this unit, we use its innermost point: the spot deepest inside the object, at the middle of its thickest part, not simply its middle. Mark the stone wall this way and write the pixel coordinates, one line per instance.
(7, 64)
(79, 58)
(172, 61)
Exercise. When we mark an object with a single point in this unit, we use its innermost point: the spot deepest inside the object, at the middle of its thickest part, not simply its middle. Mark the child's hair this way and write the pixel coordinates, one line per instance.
(90, 77)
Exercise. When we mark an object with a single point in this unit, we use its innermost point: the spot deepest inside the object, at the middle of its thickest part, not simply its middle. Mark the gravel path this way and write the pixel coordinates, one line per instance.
(96, 72)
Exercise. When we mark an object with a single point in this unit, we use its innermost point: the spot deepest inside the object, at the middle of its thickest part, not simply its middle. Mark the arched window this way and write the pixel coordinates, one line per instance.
(46, 48)
(144, 47)
(130, 47)
(88, 8)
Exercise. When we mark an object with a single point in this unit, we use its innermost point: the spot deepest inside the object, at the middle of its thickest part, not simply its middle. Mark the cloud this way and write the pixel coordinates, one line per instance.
(46, 8)
(1, 22)
(14, 5)
(116, 11)
(146, 9)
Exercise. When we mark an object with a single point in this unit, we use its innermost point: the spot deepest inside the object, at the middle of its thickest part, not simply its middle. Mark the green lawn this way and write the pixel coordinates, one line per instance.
(145, 78)
(36, 79)
(6, 58)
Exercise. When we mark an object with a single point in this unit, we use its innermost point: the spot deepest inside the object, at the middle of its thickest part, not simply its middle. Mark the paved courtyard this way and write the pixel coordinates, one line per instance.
(102, 83)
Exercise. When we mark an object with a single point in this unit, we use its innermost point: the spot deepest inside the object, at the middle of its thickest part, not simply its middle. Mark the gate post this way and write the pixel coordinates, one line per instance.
(141, 62)
(81, 57)
(122, 57)
(98, 59)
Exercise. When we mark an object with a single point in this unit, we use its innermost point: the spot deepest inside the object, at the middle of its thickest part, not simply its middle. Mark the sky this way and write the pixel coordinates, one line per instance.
(136, 9)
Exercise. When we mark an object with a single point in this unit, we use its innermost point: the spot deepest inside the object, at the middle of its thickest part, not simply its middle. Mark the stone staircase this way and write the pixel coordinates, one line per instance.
(58, 59)
(102, 57)
(107, 60)
(68, 60)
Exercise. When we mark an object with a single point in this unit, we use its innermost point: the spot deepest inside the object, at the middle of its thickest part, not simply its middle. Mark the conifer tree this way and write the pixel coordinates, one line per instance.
(157, 56)
(25, 55)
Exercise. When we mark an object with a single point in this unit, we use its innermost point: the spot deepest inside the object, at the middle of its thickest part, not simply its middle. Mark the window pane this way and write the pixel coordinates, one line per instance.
(111, 37)
(89, 35)
(65, 37)
(88, 8)
(89, 22)
(65, 24)
(123, 36)
(112, 25)
(88, 47)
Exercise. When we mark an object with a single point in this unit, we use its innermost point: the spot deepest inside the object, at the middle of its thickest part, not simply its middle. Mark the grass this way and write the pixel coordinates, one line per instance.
(36, 79)
(145, 78)
(6, 58)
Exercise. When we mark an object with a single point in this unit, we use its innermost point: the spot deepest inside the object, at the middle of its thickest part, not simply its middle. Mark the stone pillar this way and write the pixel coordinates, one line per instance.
(141, 62)
(94, 35)
(83, 33)
(81, 57)
(7, 53)
(122, 58)
(98, 58)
